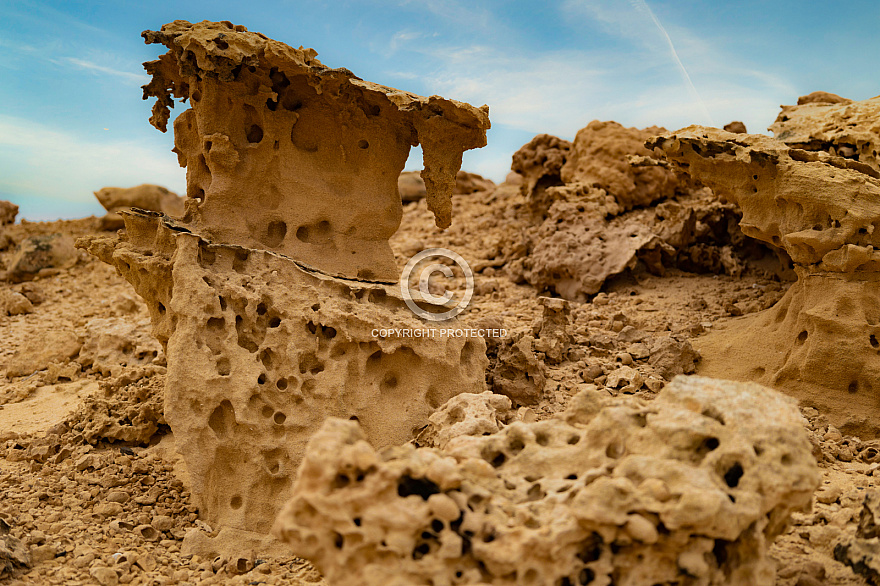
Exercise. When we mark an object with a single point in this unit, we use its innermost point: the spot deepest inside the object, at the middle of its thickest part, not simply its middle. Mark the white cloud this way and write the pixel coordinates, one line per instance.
(134, 78)
(38, 161)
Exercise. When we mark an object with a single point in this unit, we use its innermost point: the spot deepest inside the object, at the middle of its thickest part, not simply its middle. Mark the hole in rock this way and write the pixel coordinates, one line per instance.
(222, 418)
(161, 308)
(853, 387)
(261, 380)
(224, 367)
(719, 550)
(216, 323)
(710, 443)
(236, 502)
(586, 576)
(254, 134)
(535, 492)
(421, 551)
(802, 337)
(733, 475)
(275, 233)
(338, 540)
(542, 439)
(261, 309)
(574, 439)
(279, 418)
(281, 384)
(317, 234)
(274, 322)
(516, 445)
(416, 486)
(437, 526)
(267, 411)
(874, 342)
(362, 144)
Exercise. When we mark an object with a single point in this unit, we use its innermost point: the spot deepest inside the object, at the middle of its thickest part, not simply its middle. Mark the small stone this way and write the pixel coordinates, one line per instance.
(624, 358)
(118, 496)
(162, 523)
(42, 553)
(111, 509)
(147, 532)
(105, 576)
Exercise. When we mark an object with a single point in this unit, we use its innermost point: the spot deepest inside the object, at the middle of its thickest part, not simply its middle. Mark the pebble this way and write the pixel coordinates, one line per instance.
(118, 496)
(105, 576)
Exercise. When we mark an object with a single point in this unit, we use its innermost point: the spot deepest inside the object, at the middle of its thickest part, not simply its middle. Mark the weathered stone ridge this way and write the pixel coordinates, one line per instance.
(313, 153)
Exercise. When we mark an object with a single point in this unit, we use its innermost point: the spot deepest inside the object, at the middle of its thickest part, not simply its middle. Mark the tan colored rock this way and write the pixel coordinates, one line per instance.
(270, 125)
(38, 353)
(36, 253)
(576, 499)
(467, 183)
(822, 98)
(145, 197)
(736, 127)
(113, 342)
(411, 186)
(862, 552)
(834, 125)
(539, 163)
(598, 158)
(8, 211)
(270, 349)
(820, 342)
(467, 414)
(516, 371)
(14, 555)
(14, 303)
(292, 169)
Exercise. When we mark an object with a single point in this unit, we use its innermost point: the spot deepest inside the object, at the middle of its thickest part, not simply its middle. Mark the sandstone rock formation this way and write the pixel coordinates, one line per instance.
(820, 342)
(736, 127)
(38, 253)
(589, 216)
(825, 122)
(692, 486)
(412, 187)
(8, 211)
(291, 182)
(271, 125)
(145, 197)
(863, 552)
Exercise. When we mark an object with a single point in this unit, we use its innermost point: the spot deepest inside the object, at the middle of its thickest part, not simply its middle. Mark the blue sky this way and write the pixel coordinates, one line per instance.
(72, 119)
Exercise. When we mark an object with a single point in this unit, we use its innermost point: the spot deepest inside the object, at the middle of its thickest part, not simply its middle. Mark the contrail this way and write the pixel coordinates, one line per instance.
(687, 78)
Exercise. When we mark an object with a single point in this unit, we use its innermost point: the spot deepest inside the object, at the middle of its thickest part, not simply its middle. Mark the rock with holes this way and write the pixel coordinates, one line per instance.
(829, 123)
(466, 414)
(821, 342)
(261, 349)
(313, 153)
(692, 487)
(269, 295)
(862, 552)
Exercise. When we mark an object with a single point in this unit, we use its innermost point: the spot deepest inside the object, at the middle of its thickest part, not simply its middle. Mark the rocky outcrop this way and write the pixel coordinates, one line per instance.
(696, 483)
(272, 126)
(820, 342)
(39, 255)
(265, 295)
(605, 204)
(829, 123)
(154, 198)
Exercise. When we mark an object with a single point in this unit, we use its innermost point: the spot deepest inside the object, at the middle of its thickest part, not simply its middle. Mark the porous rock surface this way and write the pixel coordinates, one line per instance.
(260, 350)
(316, 152)
(589, 215)
(820, 342)
(264, 295)
(144, 197)
(829, 123)
(690, 488)
(862, 553)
